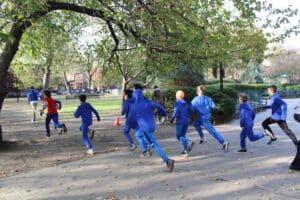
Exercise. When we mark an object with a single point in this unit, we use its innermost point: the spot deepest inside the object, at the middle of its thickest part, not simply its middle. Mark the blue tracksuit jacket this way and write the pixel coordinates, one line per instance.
(278, 107)
(33, 95)
(203, 106)
(181, 112)
(247, 116)
(128, 111)
(144, 112)
(85, 110)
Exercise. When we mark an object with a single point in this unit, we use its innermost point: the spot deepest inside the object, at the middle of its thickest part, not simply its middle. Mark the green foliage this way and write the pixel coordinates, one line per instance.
(240, 87)
(226, 102)
(294, 87)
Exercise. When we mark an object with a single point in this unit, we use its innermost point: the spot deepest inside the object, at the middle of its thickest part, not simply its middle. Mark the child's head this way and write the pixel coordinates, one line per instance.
(138, 86)
(179, 94)
(243, 98)
(47, 93)
(128, 94)
(201, 90)
(82, 98)
(272, 89)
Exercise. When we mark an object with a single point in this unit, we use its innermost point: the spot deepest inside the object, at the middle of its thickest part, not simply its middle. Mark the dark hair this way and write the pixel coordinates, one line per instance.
(128, 92)
(138, 86)
(82, 97)
(244, 97)
(47, 93)
(155, 87)
(32, 87)
(273, 87)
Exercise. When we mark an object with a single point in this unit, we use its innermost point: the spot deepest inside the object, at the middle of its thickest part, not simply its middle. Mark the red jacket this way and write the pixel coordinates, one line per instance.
(50, 104)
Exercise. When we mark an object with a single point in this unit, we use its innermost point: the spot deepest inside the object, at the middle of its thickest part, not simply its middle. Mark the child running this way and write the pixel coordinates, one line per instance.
(247, 116)
(51, 105)
(33, 99)
(146, 125)
(279, 114)
(181, 114)
(127, 110)
(203, 106)
(85, 111)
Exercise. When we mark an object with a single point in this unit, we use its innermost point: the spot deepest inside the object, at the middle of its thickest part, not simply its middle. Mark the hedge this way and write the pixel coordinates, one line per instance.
(240, 87)
(226, 102)
(294, 87)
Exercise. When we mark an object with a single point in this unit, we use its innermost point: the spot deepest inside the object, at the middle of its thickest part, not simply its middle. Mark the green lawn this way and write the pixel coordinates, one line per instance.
(104, 105)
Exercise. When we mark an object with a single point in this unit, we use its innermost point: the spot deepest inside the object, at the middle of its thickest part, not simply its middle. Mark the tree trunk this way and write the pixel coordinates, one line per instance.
(124, 86)
(1, 138)
(222, 74)
(46, 78)
(67, 83)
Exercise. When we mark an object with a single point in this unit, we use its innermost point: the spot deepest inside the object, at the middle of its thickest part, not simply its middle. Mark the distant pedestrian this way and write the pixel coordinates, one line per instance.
(33, 99)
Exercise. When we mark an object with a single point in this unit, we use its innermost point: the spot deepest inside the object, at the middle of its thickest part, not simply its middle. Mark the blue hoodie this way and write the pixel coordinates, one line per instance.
(85, 111)
(144, 111)
(203, 106)
(33, 95)
(247, 116)
(181, 112)
(128, 111)
(278, 107)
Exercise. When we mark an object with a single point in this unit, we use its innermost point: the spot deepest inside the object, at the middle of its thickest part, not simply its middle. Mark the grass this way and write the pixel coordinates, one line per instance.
(104, 105)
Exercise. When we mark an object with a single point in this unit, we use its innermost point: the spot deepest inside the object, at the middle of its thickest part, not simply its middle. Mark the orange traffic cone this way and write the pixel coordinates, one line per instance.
(117, 122)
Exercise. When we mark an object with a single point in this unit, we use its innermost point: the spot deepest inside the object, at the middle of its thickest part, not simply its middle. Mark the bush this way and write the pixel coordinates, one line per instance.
(226, 102)
(294, 87)
(240, 87)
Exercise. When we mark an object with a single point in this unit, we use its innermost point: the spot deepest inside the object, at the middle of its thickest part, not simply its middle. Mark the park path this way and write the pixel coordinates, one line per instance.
(209, 174)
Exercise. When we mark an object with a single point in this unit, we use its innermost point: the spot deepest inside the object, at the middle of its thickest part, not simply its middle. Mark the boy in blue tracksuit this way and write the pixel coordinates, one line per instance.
(146, 125)
(181, 114)
(203, 106)
(85, 111)
(33, 99)
(279, 114)
(247, 116)
(128, 111)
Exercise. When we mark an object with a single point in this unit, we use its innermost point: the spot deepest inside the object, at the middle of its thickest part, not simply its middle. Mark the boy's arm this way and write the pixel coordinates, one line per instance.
(59, 104)
(175, 113)
(95, 112)
(160, 109)
(283, 109)
(77, 113)
(242, 118)
(28, 97)
(125, 108)
(211, 104)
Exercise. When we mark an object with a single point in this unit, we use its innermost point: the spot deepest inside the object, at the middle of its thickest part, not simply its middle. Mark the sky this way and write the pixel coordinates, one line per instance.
(294, 41)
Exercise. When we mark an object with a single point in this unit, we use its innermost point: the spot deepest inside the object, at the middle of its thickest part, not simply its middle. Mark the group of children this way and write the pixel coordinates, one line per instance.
(139, 113)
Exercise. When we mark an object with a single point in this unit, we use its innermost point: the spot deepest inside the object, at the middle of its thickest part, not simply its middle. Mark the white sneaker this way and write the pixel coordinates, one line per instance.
(90, 152)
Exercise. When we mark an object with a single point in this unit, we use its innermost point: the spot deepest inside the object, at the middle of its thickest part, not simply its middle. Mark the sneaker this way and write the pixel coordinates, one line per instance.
(92, 134)
(190, 147)
(132, 147)
(268, 133)
(64, 128)
(185, 153)
(242, 150)
(272, 140)
(60, 131)
(226, 147)
(146, 154)
(89, 152)
(170, 165)
(47, 136)
(162, 120)
(202, 141)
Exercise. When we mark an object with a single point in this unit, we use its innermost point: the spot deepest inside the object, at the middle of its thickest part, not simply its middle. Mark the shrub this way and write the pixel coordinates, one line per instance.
(294, 87)
(226, 102)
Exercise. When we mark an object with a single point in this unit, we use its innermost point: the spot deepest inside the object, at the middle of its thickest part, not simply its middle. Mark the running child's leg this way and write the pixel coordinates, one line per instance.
(253, 137)
(243, 137)
(157, 148)
(209, 127)
(180, 135)
(283, 125)
(197, 125)
(141, 140)
(47, 124)
(85, 129)
(266, 124)
(126, 132)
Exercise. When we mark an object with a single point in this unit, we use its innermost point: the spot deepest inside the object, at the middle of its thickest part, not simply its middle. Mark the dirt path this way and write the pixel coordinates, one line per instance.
(27, 149)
